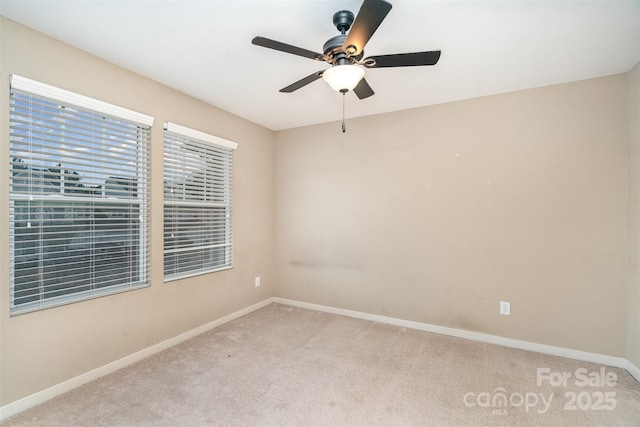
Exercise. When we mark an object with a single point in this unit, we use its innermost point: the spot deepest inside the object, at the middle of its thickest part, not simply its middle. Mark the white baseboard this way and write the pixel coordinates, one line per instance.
(63, 387)
(602, 359)
(633, 370)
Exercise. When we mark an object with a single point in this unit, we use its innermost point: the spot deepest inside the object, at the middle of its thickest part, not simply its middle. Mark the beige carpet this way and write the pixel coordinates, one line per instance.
(289, 366)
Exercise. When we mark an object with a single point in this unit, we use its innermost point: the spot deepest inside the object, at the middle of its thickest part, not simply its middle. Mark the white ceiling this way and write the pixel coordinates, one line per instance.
(203, 48)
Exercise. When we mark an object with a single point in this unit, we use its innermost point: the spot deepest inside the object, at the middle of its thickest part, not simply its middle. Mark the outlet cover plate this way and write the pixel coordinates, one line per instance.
(505, 308)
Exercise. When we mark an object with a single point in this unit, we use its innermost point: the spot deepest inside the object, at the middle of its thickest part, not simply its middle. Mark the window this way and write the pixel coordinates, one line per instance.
(197, 202)
(78, 197)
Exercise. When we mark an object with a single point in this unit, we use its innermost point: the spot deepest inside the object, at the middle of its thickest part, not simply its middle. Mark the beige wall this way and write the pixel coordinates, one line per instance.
(436, 214)
(633, 307)
(44, 348)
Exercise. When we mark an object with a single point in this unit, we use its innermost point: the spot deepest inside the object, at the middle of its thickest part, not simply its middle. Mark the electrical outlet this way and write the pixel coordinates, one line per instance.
(257, 282)
(505, 308)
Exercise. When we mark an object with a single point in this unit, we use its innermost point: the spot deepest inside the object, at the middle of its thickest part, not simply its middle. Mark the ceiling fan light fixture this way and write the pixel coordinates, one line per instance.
(343, 78)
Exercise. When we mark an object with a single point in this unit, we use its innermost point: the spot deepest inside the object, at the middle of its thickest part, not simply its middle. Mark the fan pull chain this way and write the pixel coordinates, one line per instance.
(344, 126)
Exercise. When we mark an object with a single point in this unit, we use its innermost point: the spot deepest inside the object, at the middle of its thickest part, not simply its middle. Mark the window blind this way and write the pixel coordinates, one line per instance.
(197, 202)
(78, 199)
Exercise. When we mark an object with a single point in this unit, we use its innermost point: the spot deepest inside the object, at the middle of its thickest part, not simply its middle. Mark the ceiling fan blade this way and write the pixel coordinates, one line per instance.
(403, 59)
(287, 48)
(369, 18)
(302, 82)
(363, 90)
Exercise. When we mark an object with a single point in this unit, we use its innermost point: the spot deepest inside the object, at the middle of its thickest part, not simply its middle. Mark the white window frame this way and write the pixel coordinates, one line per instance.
(200, 254)
(136, 192)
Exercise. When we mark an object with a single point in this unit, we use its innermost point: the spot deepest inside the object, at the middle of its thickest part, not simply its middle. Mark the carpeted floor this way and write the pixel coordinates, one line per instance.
(289, 366)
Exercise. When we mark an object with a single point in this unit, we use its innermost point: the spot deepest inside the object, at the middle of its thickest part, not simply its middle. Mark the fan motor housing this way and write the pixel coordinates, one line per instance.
(333, 49)
(334, 44)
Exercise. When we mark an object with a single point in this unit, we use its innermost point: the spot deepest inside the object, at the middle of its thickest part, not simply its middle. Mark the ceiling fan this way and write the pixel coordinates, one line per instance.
(345, 51)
